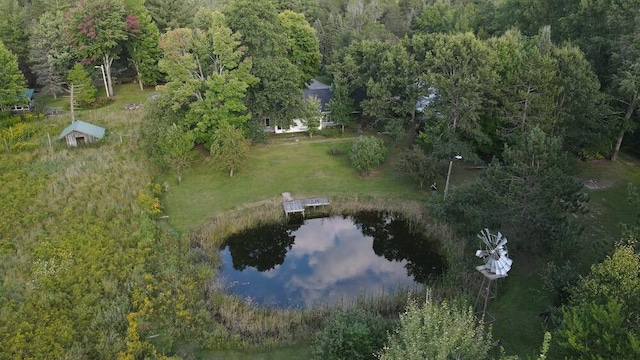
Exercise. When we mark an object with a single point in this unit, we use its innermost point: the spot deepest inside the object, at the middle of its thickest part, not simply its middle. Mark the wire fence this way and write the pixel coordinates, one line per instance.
(52, 142)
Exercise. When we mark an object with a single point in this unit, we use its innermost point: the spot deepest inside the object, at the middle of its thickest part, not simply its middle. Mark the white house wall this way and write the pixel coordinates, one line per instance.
(298, 126)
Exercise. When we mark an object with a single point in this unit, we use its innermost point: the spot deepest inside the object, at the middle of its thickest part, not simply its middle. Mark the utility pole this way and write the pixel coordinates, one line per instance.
(446, 185)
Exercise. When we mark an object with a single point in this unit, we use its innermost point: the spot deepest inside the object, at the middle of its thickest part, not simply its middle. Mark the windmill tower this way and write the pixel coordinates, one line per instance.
(496, 265)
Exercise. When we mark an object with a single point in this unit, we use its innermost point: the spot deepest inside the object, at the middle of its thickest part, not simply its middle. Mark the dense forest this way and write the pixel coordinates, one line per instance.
(518, 87)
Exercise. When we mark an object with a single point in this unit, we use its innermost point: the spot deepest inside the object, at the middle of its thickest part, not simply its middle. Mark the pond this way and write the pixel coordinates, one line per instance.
(326, 261)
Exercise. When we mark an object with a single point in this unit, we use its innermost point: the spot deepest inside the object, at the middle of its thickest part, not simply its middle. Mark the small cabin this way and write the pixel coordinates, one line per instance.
(81, 132)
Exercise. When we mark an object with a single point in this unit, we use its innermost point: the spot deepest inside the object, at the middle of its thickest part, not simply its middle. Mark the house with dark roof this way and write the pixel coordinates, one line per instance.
(80, 132)
(315, 89)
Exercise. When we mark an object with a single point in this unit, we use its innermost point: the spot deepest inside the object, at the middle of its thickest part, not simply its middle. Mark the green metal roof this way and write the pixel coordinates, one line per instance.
(83, 127)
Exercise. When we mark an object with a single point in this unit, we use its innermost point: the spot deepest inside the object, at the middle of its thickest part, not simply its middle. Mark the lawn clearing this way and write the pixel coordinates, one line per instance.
(304, 168)
(607, 183)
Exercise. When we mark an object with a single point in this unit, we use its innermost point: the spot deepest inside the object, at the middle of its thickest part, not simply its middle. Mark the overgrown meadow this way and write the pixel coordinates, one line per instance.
(87, 271)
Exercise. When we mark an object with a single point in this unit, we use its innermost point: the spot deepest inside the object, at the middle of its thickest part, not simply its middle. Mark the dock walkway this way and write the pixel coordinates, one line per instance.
(292, 206)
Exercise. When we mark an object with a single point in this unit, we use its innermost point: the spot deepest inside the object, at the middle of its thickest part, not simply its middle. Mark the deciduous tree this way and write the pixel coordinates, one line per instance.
(312, 115)
(229, 148)
(13, 88)
(601, 320)
(421, 334)
(176, 146)
(142, 44)
(98, 29)
(208, 75)
(302, 44)
(459, 68)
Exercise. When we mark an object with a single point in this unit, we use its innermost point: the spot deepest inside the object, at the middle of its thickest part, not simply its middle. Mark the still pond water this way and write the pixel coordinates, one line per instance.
(328, 260)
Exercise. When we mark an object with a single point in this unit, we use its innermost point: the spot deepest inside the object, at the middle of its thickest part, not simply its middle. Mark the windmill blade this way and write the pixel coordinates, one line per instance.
(502, 240)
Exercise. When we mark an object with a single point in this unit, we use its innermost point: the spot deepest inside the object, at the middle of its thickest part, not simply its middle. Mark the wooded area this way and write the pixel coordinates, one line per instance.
(523, 87)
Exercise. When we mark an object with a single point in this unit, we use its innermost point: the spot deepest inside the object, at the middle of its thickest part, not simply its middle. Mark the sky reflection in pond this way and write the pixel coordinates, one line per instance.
(327, 260)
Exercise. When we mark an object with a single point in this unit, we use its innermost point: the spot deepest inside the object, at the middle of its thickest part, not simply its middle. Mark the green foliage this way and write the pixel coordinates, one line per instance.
(229, 148)
(446, 17)
(14, 32)
(13, 83)
(386, 72)
(208, 76)
(601, 320)
(594, 331)
(142, 45)
(84, 93)
(529, 196)
(366, 153)
(341, 105)
(437, 331)
(302, 43)
(311, 115)
(51, 55)
(97, 30)
(176, 147)
(278, 96)
(417, 165)
(171, 14)
(351, 335)
(459, 68)
(283, 52)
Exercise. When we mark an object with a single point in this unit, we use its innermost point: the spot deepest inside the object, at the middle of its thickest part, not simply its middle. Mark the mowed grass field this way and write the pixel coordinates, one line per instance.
(304, 168)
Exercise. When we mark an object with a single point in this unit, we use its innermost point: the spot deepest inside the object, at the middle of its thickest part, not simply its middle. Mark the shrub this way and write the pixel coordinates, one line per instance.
(351, 335)
(437, 331)
(366, 153)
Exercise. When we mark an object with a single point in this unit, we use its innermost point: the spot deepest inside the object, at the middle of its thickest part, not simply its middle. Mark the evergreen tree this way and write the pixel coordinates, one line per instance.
(171, 14)
(84, 92)
(15, 32)
(51, 55)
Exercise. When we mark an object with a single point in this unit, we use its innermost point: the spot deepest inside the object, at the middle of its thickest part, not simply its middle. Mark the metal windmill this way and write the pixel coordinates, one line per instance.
(496, 265)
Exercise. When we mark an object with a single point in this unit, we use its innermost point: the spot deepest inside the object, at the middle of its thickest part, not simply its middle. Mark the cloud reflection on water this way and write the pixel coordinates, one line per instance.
(330, 261)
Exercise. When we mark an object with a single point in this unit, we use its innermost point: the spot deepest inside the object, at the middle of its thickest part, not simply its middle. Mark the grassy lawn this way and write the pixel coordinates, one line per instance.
(516, 309)
(303, 168)
(608, 206)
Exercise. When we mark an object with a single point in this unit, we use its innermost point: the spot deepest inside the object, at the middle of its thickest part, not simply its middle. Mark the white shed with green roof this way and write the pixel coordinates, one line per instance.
(81, 132)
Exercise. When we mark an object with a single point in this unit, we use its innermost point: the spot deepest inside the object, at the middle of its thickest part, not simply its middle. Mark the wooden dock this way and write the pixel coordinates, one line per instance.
(292, 206)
